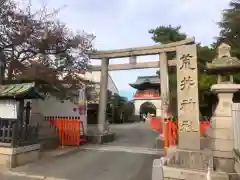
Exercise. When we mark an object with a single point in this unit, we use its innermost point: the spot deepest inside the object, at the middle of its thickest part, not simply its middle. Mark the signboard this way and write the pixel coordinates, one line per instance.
(8, 109)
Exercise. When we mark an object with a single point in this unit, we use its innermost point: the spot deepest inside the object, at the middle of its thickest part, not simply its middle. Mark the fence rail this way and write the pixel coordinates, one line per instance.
(17, 135)
(70, 130)
(236, 125)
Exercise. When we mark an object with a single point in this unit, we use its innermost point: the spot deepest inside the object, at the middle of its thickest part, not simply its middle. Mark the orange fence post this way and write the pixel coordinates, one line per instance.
(175, 133)
(160, 125)
(74, 131)
(203, 127)
(61, 130)
(155, 123)
(78, 134)
(64, 122)
(67, 134)
(166, 145)
(169, 133)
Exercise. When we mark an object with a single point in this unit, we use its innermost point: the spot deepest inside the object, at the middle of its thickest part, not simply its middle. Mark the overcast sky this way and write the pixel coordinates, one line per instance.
(125, 23)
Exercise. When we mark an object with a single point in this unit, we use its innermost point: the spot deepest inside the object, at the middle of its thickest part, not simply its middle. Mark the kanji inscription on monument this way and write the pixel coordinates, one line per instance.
(186, 82)
(188, 110)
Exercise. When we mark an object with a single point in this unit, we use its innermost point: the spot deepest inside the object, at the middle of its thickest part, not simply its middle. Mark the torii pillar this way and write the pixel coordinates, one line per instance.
(102, 125)
(102, 134)
(164, 86)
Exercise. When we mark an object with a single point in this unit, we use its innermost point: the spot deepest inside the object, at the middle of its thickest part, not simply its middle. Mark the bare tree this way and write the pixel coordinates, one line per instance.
(25, 35)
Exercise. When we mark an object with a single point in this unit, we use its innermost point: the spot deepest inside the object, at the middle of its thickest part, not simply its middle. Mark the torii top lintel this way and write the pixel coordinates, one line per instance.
(140, 51)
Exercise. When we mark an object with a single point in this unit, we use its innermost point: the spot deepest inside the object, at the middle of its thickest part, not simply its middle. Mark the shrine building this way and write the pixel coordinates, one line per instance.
(147, 98)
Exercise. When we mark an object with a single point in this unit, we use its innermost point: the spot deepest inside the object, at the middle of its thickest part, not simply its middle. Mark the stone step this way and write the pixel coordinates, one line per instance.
(137, 150)
(189, 174)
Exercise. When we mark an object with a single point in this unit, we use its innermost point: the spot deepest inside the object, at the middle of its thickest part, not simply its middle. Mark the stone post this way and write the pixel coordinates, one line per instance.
(103, 97)
(188, 105)
(221, 131)
(164, 80)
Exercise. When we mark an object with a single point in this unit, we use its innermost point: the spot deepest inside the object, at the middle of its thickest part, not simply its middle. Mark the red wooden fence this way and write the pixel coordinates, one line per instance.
(155, 124)
(171, 130)
(70, 130)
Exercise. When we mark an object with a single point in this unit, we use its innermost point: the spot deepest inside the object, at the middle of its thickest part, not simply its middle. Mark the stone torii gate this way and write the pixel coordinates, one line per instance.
(187, 48)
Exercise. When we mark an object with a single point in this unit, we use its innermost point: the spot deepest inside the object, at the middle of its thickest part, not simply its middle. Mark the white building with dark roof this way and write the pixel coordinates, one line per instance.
(95, 77)
(147, 96)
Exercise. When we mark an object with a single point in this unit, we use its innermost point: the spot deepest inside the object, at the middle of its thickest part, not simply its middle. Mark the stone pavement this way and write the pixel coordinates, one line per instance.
(130, 157)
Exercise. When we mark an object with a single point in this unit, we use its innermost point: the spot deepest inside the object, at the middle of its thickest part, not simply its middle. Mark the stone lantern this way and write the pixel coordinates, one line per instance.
(221, 130)
(224, 65)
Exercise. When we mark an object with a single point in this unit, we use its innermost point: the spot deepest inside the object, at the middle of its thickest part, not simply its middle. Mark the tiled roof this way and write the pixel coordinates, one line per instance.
(18, 90)
(147, 79)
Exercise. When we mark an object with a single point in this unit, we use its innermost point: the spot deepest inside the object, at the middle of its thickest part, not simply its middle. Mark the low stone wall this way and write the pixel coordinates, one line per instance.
(48, 136)
(237, 169)
(162, 172)
(13, 157)
(190, 159)
(171, 173)
(236, 164)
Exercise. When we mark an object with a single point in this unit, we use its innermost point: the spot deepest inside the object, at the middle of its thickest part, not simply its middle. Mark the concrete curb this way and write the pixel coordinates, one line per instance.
(135, 150)
(62, 154)
(16, 174)
(11, 172)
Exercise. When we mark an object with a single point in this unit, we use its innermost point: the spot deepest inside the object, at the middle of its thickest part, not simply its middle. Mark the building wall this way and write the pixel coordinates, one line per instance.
(156, 102)
(45, 131)
(95, 76)
(51, 106)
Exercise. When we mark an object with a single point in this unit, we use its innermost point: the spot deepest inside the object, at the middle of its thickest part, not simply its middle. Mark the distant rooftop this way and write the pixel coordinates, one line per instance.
(144, 82)
(147, 79)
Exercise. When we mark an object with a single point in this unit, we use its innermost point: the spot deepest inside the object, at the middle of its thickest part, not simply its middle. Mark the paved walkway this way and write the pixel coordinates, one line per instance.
(130, 157)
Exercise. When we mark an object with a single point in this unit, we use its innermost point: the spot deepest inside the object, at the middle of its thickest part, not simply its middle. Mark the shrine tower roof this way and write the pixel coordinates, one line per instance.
(144, 82)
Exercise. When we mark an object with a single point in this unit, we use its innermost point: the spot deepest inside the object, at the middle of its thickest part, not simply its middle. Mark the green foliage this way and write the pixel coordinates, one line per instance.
(230, 27)
(206, 81)
(230, 30)
(128, 110)
(205, 54)
(167, 34)
(119, 109)
(117, 100)
(115, 104)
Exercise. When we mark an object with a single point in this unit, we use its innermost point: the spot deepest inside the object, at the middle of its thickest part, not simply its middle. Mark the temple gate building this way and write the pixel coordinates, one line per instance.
(147, 97)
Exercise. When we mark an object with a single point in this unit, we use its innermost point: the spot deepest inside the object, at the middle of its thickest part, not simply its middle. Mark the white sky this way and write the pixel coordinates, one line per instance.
(125, 23)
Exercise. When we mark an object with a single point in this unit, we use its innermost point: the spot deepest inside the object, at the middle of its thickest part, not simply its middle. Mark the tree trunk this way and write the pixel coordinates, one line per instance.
(2, 66)
(10, 72)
